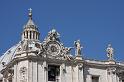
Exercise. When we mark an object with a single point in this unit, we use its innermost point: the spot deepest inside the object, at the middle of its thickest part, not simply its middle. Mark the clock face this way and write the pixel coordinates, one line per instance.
(53, 48)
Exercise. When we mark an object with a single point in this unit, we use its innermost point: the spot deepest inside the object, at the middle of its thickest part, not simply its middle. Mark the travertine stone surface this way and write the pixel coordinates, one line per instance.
(28, 60)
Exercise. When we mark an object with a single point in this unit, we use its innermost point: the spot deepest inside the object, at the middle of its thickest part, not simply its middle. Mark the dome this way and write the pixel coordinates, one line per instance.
(9, 54)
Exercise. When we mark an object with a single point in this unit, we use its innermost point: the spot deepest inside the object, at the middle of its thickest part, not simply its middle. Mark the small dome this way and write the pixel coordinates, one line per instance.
(30, 25)
(30, 22)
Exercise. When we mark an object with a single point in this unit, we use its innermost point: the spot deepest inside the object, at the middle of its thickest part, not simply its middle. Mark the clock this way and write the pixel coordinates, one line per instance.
(53, 48)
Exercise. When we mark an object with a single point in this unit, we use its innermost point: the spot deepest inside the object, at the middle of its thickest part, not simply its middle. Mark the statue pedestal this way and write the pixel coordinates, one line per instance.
(78, 57)
(111, 62)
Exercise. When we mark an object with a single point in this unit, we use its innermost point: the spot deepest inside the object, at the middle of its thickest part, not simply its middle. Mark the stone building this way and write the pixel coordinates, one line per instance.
(32, 60)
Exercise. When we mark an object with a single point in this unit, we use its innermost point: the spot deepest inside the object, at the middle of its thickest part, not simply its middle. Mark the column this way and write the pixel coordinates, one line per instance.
(23, 35)
(35, 36)
(28, 34)
(32, 35)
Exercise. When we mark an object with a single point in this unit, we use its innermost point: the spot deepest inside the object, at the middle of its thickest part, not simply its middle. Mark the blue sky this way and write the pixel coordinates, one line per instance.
(95, 22)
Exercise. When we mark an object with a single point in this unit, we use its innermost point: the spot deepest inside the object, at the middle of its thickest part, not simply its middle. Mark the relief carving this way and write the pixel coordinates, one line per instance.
(23, 74)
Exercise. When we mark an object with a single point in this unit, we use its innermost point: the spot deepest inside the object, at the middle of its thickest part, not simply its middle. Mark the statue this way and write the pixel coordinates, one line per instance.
(24, 45)
(78, 47)
(53, 35)
(110, 52)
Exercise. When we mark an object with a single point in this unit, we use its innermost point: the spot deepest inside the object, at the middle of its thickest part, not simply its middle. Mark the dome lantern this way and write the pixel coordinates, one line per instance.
(30, 31)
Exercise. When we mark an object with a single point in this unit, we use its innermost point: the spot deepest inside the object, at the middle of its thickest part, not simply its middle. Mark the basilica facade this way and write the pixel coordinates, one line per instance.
(32, 60)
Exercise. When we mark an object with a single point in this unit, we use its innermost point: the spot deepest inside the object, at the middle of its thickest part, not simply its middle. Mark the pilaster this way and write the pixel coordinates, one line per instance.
(45, 71)
(35, 71)
(30, 67)
(15, 73)
(112, 74)
(80, 72)
(62, 73)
